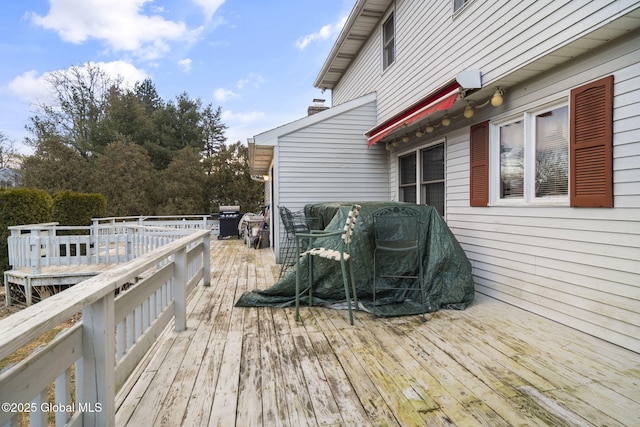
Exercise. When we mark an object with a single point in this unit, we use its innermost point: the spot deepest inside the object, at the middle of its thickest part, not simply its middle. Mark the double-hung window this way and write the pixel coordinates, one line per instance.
(531, 157)
(388, 41)
(428, 164)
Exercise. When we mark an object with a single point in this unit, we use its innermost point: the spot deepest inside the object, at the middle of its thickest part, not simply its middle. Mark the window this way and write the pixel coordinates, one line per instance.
(388, 42)
(408, 178)
(433, 177)
(457, 4)
(431, 185)
(533, 157)
(552, 153)
(512, 160)
(563, 153)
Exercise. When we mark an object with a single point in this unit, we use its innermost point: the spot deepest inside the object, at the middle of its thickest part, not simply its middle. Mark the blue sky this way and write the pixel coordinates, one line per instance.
(257, 59)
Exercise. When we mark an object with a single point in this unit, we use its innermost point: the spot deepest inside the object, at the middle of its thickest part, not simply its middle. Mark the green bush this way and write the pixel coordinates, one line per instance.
(21, 206)
(71, 208)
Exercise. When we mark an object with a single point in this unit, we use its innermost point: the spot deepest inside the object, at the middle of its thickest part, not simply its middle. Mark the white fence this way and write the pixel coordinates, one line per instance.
(103, 348)
(108, 241)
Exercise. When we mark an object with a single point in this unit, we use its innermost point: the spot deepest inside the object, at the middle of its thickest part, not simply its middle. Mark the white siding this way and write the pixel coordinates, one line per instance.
(578, 266)
(329, 161)
(496, 37)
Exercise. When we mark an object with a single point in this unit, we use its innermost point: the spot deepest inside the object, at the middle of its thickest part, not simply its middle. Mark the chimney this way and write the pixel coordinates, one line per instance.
(318, 105)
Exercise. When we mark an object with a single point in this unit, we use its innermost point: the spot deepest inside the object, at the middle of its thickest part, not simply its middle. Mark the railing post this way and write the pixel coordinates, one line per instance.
(97, 388)
(180, 289)
(7, 290)
(206, 260)
(34, 243)
(131, 251)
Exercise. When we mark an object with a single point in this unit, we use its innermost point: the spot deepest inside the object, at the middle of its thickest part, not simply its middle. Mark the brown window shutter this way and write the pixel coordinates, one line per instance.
(591, 144)
(479, 153)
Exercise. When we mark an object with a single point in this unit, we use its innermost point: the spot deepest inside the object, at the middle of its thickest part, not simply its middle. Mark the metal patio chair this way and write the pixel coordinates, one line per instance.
(396, 230)
(342, 255)
(294, 223)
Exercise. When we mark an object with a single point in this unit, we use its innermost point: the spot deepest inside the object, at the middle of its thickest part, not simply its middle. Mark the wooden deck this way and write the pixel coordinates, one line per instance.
(492, 364)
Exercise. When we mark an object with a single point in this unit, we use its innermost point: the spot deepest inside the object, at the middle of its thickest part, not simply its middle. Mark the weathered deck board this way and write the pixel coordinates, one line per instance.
(492, 364)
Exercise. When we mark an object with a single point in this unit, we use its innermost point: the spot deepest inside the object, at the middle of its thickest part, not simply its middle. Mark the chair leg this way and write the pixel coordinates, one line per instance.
(298, 290)
(374, 275)
(346, 288)
(310, 280)
(421, 283)
(353, 287)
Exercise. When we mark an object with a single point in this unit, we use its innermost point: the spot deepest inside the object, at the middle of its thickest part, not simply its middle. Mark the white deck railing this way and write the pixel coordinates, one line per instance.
(112, 240)
(102, 349)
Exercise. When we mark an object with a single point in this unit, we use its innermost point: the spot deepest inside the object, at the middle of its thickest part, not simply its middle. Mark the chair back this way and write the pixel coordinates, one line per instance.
(291, 226)
(350, 224)
(396, 227)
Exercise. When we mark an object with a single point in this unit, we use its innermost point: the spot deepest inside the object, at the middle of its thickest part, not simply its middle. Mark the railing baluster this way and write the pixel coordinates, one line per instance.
(120, 340)
(98, 361)
(38, 417)
(129, 331)
(63, 396)
(179, 289)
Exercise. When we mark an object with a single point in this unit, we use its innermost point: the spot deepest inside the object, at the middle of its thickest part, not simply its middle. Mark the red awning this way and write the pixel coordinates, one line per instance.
(438, 101)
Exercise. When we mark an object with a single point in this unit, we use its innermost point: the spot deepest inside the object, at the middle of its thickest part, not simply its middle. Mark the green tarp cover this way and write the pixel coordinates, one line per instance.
(446, 269)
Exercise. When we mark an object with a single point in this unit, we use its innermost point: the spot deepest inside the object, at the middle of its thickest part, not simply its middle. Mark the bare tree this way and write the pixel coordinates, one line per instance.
(80, 95)
(8, 154)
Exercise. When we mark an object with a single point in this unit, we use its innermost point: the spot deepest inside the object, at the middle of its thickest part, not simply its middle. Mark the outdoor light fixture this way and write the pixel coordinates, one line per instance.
(395, 142)
(468, 111)
(497, 100)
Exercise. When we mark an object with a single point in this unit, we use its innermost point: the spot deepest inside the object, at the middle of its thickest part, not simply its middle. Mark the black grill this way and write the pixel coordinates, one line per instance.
(229, 220)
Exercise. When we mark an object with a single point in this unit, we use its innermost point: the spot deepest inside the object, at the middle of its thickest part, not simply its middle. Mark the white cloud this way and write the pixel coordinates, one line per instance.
(253, 80)
(129, 72)
(242, 125)
(222, 94)
(185, 65)
(120, 24)
(31, 87)
(34, 87)
(241, 118)
(209, 7)
(326, 32)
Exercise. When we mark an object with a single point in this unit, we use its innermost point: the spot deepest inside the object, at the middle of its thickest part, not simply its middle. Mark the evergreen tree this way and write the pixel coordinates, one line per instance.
(183, 185)
(125, 176)
(230, 182)
(56, 167)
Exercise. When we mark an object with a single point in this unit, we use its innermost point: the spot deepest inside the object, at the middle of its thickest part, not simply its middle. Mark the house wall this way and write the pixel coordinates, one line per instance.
(496, 37)
(9, 178)
(578, 266)
(329, 161)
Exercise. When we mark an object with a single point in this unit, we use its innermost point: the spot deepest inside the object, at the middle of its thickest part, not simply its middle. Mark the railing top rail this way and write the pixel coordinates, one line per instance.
(25, 325)
(38, 226)
(152, 217)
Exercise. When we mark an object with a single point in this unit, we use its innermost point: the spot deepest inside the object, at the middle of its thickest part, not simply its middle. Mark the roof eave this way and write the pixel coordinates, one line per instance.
(357, 13)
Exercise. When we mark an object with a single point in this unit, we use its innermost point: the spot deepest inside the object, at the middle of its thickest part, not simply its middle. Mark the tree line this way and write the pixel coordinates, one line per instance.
(146, 155)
